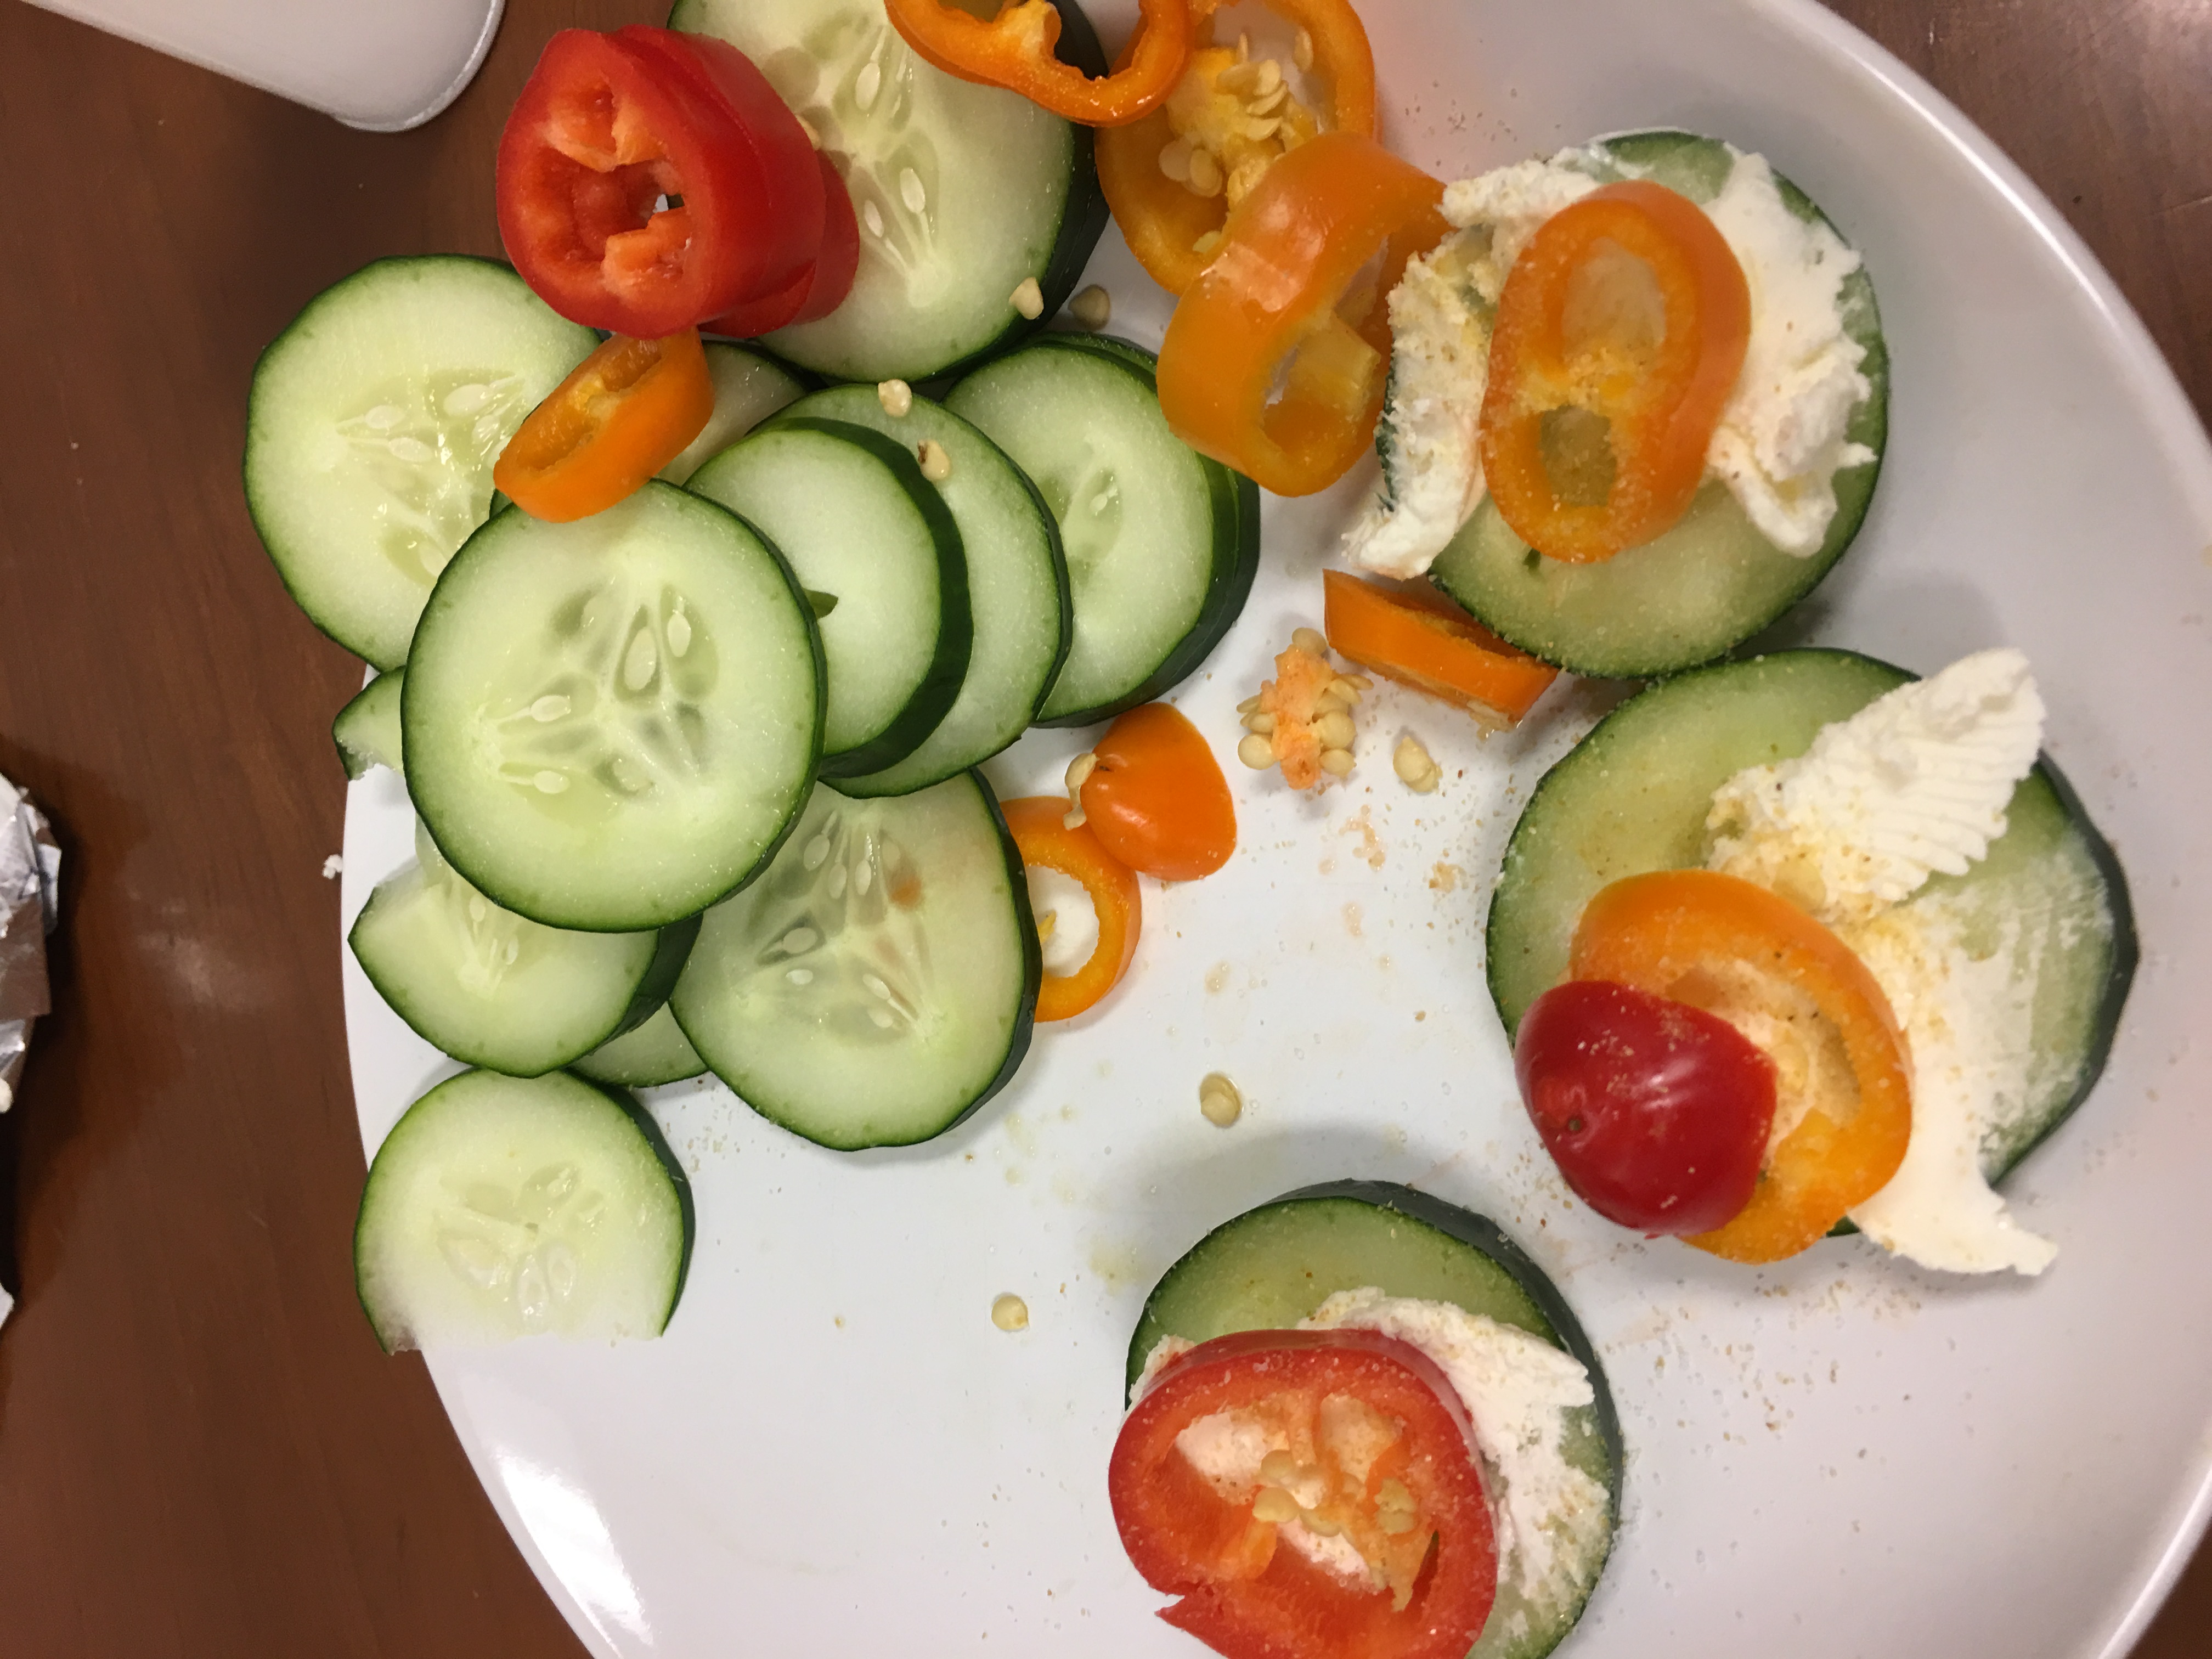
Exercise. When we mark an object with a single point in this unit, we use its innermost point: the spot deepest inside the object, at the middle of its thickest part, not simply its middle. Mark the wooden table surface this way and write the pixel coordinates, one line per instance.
(202, 1452)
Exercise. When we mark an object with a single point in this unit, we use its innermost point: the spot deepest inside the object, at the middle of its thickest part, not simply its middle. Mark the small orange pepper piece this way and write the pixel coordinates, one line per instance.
(1433, 647)
(1629, 306)
(1663, 932)
(1014, 50)
(1156, 797)
(622, 414)
(1038, 824)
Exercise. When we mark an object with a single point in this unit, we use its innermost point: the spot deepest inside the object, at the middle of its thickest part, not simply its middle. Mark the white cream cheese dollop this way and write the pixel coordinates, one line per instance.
(1780, 441)
(1916, 782)
(1517, 1390)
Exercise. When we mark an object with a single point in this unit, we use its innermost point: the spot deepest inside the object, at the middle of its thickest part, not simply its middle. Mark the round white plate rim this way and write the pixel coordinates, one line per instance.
(2148, 379)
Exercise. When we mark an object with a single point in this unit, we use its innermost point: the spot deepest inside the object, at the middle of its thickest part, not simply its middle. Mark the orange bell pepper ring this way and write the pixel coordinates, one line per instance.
(1038, 824)
(1692, 934)
(1153, 794)
(1014, 50)
(1279, 296)
(1433, 647)
(1173, 178)
(622, 414)
(1630, 307)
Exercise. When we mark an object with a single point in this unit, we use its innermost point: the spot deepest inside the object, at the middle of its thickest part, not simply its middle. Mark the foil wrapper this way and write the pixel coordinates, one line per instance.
(30, 888)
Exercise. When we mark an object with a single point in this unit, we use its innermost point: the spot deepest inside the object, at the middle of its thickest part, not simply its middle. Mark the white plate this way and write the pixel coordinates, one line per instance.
(834, 1451)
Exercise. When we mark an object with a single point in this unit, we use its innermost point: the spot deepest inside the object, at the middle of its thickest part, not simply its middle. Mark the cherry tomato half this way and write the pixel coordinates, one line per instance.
(1656, 1112)
(1156, 797)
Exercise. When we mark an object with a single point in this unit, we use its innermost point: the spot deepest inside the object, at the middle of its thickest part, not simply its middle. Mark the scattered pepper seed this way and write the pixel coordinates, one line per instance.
(897, 398)
(1010, 1313)
(1256, 752)
(936, 460)
(1093, 308)
(1415, 769)
(1029, 299)
(1219, 1100)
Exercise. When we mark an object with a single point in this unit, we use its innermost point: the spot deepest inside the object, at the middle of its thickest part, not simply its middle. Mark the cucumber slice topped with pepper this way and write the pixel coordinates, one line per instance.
(1715, 578)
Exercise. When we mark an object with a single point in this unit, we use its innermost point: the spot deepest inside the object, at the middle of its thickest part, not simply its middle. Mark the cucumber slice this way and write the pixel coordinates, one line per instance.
(1162, 544)
(1713, 580)
(372, 425)
(749, 387)
(497, 990)
(963, 192)
(878, 983)
(1270, 1267)
(1017, 588)
(1632, 796)
(611, 724)
(501, 1207)
(367, 730)
(644, 1057)
(880, 557)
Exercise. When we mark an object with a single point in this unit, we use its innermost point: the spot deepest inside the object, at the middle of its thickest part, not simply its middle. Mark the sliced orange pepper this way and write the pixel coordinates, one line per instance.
(1630, 307)
(1280, 302)
(1667, 933)
(1173, 221)
(1154, 796)
(1433, 647)
(1014, 49)
(1038, 824)
(625, 412)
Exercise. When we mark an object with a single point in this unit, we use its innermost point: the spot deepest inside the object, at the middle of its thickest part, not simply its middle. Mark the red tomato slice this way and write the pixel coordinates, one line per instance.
(1656, 1112)
(1369, 1427)
(608, 126)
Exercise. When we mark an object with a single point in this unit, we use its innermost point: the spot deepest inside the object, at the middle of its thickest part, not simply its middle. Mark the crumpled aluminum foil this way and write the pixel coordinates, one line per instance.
(30, 886)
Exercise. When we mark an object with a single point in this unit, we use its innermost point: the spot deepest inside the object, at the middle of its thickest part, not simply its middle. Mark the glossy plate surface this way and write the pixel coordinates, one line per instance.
(834, 1451)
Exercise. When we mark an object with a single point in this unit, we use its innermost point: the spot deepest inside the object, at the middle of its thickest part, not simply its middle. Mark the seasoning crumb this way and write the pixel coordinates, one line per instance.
(1219, 1100)
(897, 398)
(1010, 1313)
(1029, 299)
(1093, 308)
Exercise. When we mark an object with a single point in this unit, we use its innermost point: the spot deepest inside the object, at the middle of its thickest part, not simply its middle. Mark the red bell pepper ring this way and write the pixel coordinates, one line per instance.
(823, 287)
(1415, 1509)
(610, 124)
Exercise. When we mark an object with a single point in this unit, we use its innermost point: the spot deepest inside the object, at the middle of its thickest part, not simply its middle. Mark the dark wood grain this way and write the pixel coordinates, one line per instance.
(202, 1452)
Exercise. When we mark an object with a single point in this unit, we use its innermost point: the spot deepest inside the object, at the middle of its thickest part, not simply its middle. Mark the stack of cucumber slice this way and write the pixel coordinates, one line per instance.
(694, 775)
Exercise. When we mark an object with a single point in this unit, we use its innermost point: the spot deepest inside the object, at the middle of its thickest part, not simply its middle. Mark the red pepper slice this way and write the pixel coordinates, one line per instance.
(823, 287)
(1630, 308)
(1014, 50)
(1375, 1436)
(608, 126)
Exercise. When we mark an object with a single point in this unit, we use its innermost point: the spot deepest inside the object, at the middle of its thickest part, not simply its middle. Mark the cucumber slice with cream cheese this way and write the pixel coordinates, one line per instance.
(1711, 581)
(1632, 796)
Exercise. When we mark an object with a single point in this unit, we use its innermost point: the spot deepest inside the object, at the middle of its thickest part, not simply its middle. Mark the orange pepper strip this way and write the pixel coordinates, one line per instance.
(625, 412)
(1280, 292)
(1656, 932)
(1014, 50)
(1428, 644)
(1156, 797)
(1038, 824)
(1166, 220)
(1575, 329)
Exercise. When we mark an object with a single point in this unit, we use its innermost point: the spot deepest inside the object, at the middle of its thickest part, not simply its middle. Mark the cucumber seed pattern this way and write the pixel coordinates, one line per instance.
(427, 447)
(522, 1245)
